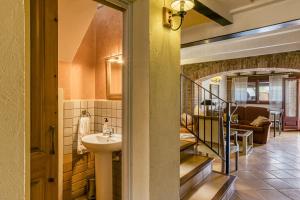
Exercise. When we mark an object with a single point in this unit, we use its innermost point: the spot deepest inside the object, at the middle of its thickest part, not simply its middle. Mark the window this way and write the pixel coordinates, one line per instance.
(251, 92)
(263, 91)
(258, 91)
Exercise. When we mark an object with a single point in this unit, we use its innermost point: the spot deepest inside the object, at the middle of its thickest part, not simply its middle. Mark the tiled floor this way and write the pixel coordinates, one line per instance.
(271, 171)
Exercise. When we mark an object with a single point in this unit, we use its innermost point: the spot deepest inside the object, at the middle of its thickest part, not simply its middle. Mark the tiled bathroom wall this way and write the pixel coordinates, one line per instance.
(112, 110)
(78, 168)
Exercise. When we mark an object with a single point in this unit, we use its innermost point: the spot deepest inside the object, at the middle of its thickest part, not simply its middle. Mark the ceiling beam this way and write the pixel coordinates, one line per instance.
(214, 11)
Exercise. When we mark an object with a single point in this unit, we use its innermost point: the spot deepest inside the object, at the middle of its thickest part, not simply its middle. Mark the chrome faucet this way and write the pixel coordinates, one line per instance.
(110, 132)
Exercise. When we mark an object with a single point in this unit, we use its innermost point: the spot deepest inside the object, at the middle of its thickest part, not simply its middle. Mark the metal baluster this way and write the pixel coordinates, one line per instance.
(204, 117)
(211, 123)
(228, 105)
(192, 104)
(198, 117)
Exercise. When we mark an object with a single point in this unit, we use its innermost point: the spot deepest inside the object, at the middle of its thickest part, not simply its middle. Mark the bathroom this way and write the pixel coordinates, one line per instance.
(90, 47)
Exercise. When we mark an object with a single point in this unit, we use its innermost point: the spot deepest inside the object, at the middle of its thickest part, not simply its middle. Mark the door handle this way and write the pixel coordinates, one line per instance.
(52, 136)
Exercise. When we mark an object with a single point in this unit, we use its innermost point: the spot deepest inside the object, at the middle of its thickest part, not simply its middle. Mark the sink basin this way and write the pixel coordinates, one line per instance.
(103, 146)
(101, 143)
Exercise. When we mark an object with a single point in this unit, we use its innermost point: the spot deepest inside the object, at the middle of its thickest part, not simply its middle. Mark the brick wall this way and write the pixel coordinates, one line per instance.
(288, 60)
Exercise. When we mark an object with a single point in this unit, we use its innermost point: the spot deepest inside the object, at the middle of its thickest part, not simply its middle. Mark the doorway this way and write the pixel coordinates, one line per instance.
(49, 163)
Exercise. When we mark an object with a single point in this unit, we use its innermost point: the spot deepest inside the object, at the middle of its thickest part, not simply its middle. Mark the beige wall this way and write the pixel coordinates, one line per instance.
(155, 104)
(12, 101)
(85, 76)
(155, 97)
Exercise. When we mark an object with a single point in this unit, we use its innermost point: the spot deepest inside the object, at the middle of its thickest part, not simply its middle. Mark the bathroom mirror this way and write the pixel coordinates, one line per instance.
(114, 77)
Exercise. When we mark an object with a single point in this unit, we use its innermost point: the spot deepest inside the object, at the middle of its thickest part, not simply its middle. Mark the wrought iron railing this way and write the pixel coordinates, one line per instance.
(207, 117)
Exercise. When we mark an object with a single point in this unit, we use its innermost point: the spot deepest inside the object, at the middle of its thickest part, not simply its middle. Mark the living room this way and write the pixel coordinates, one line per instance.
(264, 116)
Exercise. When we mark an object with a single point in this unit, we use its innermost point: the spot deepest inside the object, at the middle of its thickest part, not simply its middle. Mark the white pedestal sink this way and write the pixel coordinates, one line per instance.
(103, 146)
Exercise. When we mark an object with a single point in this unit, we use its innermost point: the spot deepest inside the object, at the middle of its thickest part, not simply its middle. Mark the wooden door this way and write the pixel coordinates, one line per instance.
(44, 104)
(291, 104)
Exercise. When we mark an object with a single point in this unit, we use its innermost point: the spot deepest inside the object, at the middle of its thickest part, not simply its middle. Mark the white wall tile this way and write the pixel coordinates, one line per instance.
(91, 104)
(68, 123)
(83, 104)
(119, 122)
(91, 111)
(75, 121)
(68, 140)
(68, 105)
(119, 105)
(113, 113)
(103, 113)
(108, 112)
(114, 104)
(119, 113)
(75, 129)
(68, 114)
(76, 104)
(114, 122)
(108, 104)
(76, 113)
(68, 131)
(103, 104)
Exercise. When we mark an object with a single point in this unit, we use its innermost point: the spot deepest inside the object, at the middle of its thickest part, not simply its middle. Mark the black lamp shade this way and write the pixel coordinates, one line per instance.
(208, 102)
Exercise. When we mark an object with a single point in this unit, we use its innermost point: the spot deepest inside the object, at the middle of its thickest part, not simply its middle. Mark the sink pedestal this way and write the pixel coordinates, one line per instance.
(103, 147)
(103, 170)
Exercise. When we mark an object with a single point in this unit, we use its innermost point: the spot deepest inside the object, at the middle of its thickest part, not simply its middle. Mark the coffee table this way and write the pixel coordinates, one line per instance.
(247, 139)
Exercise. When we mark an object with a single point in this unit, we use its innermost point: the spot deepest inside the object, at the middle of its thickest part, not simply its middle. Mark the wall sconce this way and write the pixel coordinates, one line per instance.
(181, 6)
(216, 79)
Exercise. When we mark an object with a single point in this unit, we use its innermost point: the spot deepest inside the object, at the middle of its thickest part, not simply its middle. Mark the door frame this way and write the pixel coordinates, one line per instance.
(126, 7)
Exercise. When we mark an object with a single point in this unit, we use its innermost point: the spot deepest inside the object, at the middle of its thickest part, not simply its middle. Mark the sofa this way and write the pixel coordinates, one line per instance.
(246, 115)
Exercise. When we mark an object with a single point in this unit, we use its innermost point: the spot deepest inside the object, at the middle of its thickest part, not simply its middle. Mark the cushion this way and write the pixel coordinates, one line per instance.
(186, 119)
(259, 121)
(253, 128)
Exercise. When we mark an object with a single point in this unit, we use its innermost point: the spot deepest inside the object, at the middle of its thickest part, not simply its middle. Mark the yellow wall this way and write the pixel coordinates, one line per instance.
(155, 99)
(12, 101)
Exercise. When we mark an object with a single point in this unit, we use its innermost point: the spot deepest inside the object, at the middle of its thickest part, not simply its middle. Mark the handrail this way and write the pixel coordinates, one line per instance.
(203, 127)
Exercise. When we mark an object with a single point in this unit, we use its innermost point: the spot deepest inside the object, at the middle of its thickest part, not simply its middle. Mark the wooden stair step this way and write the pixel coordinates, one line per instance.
(191, 163)
(186, 144)
(215, 187)
(193, 170)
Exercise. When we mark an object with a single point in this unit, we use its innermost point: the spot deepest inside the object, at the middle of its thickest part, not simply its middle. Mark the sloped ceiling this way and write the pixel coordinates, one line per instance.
(74, 17)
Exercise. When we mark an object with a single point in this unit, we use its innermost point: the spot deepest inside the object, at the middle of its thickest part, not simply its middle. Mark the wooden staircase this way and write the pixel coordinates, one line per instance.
(197, 179)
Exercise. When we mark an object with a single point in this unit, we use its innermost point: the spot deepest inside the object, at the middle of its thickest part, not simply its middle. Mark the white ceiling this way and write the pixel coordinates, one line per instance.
(233, 4)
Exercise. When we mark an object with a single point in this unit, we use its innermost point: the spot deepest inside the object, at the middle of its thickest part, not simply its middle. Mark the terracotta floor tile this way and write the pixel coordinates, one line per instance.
(292, 193)
(278, 184)
(293, 182)
(281, 174)
(248, 195)
(271, 171)
(272, 195)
